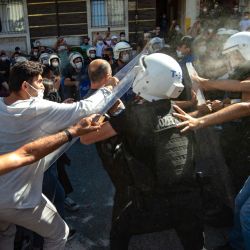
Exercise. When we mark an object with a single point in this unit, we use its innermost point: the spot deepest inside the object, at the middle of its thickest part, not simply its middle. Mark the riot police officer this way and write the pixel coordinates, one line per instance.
(160, 190)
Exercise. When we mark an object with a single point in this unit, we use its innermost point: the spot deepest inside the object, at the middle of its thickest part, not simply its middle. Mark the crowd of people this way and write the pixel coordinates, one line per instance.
(166, 176)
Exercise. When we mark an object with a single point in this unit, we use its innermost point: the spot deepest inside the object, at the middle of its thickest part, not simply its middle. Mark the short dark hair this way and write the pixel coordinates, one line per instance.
(97, 73)
(122, 33)
(188, 41)
(23, 71)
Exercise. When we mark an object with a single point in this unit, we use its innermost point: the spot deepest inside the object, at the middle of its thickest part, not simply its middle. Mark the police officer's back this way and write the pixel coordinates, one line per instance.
(162, 192)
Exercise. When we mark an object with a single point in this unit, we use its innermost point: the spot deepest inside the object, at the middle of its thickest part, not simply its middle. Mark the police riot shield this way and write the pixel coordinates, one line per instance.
(209, 159)
(126, 76)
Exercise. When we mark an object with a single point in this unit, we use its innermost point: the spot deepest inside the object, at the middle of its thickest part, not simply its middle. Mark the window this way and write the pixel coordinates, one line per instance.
(105, 13)
(11, 16)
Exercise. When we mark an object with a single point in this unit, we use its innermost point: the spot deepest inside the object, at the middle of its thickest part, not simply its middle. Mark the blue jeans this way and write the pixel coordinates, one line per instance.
(240, 234)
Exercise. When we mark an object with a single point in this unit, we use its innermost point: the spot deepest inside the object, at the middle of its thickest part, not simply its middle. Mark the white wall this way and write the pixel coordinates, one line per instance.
(9, 43)
(192, 10)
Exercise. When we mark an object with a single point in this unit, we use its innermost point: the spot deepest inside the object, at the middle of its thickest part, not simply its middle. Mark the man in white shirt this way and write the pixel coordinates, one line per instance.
(36, 150)
(25, 116)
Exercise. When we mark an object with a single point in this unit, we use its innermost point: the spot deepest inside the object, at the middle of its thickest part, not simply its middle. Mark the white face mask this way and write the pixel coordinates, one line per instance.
(35, 53)
(125, 58)
(177, 28)
(45, 61)
(78, 65)
(40, 92)
(55, 64)
(179, 54)
(92, 55)
(4, 58)
(100, 42)
(122, 38)
(60, 48)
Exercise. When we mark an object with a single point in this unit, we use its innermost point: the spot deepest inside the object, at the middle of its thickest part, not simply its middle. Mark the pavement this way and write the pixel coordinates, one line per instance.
(93, 191)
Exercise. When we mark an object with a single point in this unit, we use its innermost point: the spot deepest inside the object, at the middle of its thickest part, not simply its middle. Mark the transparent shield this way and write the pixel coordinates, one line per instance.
(126, 76)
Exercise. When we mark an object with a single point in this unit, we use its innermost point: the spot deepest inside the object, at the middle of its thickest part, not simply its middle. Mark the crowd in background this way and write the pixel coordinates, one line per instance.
(66, 78)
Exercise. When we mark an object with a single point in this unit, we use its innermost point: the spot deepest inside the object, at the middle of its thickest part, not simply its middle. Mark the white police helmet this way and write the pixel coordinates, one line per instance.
(120, 47)
(44, 58)
(73, 56)
(20, 59)
(159, 77)
(237, 49)
(155, 44)
(91, 50)
(54, 63)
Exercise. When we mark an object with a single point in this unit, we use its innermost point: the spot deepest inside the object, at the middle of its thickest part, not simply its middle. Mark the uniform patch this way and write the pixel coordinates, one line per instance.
(166, 122)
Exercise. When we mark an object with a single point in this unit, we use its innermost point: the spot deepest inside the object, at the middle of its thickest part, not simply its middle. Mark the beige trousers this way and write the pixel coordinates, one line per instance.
(43, 219)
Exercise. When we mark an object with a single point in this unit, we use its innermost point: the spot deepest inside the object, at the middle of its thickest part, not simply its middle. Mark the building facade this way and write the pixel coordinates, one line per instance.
(24, 21)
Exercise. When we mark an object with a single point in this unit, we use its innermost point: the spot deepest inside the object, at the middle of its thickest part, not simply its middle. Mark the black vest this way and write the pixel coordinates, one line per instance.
(158, 156)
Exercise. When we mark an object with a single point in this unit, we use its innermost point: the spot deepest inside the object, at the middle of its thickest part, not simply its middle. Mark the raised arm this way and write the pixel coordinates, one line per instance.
(34, 151)
(224, 85)
(106, 131)
(229, 113)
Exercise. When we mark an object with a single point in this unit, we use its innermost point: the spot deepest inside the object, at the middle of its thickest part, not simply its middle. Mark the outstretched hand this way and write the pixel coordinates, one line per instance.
(113, 81)
(85, 125)
(200, 81)
(189, 123)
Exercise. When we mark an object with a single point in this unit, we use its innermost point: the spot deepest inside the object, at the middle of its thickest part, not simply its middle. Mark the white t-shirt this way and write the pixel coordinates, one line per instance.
(26, 120)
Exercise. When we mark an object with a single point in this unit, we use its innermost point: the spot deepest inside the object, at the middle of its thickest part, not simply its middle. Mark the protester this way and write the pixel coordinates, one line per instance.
(99, 44)
(33, 117)
(85, 46)
(34, 54)
(36, 150)
(4, 73)
(245, 22)
(62, 49)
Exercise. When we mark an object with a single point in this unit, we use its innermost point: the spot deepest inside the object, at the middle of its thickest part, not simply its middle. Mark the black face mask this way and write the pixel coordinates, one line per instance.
(86, 43)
